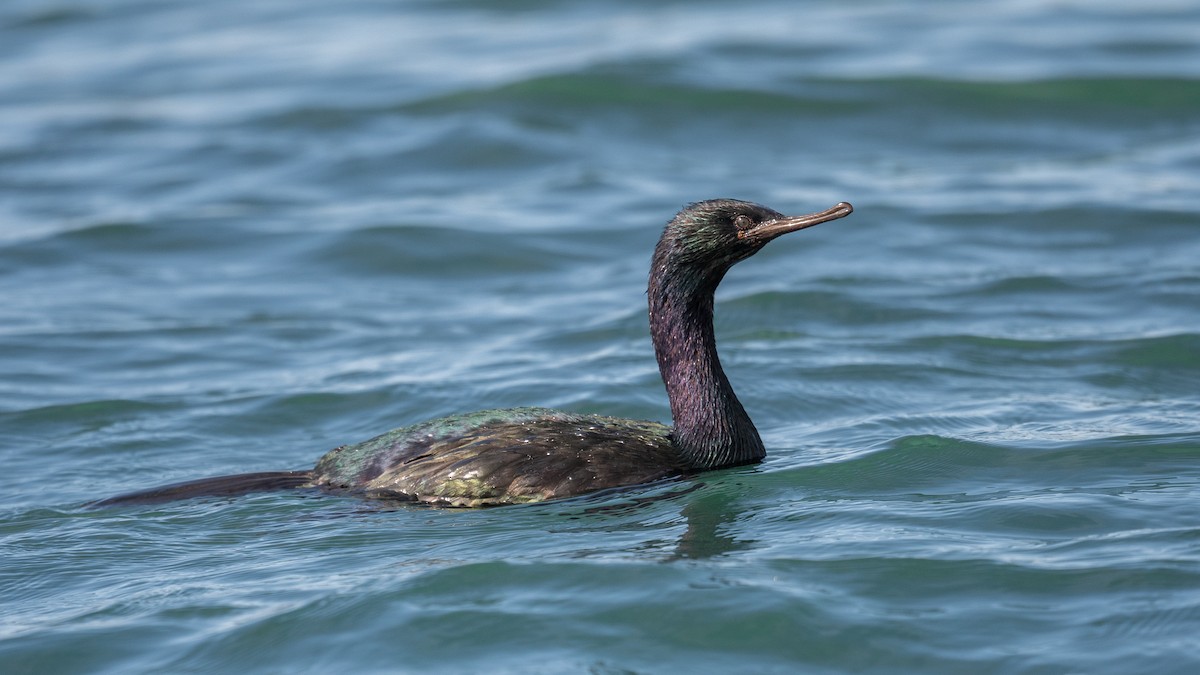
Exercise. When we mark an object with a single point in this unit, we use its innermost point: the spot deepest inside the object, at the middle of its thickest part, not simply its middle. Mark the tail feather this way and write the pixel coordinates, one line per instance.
(217, 486)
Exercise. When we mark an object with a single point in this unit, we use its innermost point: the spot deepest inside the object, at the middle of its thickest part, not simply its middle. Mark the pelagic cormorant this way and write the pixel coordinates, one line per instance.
(517, 455)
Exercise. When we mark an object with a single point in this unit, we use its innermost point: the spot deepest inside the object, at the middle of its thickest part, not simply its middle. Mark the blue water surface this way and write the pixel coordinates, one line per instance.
(235, 235)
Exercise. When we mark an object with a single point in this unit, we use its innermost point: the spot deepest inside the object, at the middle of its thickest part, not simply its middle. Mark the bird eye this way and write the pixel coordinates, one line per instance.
(742, 221)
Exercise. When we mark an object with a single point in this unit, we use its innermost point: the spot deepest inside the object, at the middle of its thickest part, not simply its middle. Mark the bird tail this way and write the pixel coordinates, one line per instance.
(217, 486)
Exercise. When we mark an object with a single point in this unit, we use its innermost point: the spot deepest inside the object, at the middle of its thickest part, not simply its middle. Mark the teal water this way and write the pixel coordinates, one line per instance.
(235, 235)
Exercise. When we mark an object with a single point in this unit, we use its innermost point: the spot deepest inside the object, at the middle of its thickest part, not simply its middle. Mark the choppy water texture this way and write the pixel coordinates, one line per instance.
(234, 235)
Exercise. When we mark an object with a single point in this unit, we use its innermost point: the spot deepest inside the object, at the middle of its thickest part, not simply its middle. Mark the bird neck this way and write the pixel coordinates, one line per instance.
(712, 428)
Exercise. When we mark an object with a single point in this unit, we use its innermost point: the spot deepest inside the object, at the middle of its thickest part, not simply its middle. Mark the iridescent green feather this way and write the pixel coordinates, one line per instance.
(506, 456)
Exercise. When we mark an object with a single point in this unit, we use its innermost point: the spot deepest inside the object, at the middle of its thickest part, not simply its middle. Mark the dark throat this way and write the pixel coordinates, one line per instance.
(711, 428)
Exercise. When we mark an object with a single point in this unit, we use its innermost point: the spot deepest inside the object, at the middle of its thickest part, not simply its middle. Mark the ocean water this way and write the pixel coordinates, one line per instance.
(235, 235)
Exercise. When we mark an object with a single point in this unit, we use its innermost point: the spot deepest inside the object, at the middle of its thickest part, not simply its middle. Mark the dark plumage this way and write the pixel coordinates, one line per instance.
(495, 457)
